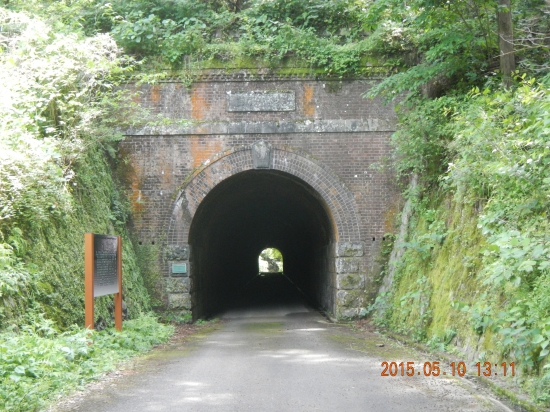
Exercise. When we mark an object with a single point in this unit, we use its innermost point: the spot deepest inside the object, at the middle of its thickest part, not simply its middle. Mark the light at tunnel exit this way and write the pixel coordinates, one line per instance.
(270, 261)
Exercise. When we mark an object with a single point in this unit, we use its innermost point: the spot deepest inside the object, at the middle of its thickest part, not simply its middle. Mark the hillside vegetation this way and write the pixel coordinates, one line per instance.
(472, 271)
(58, 108)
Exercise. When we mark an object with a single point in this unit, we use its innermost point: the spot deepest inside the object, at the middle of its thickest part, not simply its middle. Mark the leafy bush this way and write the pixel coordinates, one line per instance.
(58, 114)
(442, 47)
(321, 34)
(39, 364)
(53, 112)
(484, 248)
(502, 146)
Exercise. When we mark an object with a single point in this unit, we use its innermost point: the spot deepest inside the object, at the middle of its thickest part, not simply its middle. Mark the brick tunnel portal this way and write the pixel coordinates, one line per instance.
(243, 215)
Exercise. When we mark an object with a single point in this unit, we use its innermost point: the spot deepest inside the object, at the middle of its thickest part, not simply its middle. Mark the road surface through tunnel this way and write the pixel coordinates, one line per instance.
(239, 218)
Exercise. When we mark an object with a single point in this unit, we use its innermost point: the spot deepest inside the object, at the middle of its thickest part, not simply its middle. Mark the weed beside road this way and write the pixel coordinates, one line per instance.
(39, 364)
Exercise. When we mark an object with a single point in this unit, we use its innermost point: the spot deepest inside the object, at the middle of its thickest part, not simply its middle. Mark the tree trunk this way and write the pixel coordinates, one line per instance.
(506, 42)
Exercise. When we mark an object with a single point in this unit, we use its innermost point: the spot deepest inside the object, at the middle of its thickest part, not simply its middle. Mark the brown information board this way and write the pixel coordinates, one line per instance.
(103, 273)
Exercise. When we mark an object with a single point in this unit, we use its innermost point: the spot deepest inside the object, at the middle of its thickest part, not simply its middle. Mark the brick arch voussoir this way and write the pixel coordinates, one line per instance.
(339, 200)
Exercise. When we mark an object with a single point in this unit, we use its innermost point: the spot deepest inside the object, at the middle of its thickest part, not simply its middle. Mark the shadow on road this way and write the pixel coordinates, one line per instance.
(268, 291)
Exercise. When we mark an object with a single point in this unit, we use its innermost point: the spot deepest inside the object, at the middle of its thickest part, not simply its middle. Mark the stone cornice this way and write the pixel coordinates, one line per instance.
(266, 127)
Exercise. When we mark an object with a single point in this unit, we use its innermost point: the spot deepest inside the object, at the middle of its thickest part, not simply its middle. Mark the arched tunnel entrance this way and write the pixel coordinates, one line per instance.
(245, 214)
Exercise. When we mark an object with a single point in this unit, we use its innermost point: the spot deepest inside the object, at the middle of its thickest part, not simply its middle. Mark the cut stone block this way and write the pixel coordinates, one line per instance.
(347, 265)
(261, 101)
(349, 299)
(349, 313)
(179, 301)
(176, 252)
(177, 285)
(349, 281)
(349, 249)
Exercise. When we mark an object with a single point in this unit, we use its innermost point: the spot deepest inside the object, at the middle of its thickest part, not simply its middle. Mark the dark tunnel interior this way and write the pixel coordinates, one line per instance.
(242, 216)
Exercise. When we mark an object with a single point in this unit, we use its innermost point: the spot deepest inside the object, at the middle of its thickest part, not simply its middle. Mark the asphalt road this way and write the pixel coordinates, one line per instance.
(280, 357)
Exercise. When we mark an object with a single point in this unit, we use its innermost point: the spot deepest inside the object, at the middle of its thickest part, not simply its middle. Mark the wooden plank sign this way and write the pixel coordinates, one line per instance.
(102, 273)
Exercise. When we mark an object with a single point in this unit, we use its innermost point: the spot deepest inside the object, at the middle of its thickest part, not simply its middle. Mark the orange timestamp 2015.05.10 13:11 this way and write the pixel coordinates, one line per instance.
(453, 369)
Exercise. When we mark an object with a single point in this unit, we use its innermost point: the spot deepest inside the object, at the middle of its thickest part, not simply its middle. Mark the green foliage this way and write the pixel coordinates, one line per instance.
(58, 249)
(508, 166)
(475, 267)
(433, 45)
(485, 246)
(53, 111)
(442, 46)
(39, 363)
(272, 253)
(320, 34)
(177, 319)
(436, 295)
(487, 150)
(147, 260)
(384, 258)
(421, 145)
(55, 179)
(15, 281)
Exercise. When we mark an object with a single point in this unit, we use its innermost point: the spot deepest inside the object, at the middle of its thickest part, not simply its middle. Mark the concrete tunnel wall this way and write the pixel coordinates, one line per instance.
(245, 214)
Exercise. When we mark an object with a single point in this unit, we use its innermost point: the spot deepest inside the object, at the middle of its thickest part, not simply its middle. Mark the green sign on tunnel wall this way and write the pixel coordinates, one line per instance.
(179, 267)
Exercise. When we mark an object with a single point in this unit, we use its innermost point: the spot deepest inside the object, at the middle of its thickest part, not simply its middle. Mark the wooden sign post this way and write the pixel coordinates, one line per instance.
(102, 274)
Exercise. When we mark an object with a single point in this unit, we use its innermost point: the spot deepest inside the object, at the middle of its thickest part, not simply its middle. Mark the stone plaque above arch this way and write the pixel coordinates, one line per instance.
(261, 101)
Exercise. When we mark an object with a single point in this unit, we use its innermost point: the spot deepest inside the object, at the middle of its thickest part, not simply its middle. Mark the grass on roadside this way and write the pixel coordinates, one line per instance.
(38, 364)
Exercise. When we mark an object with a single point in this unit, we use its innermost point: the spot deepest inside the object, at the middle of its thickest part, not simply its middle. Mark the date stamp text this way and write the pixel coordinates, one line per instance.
(453, 369)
